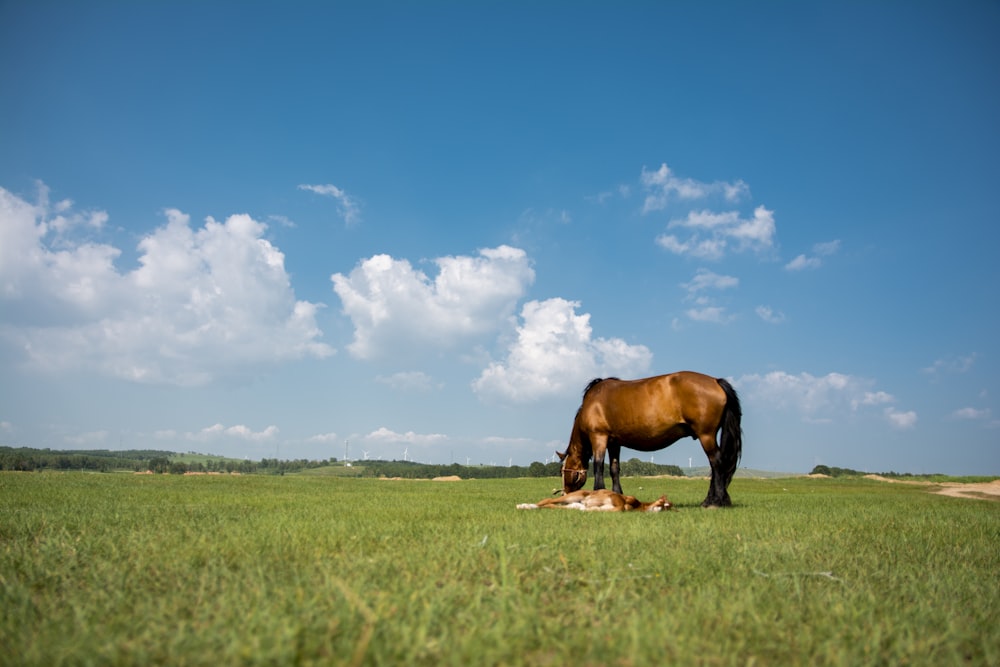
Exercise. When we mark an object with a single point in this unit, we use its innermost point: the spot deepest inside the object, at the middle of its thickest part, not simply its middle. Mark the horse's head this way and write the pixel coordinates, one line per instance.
(574, 472)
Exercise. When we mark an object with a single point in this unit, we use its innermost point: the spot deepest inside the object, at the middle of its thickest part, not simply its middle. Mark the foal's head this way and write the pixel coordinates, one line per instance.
(574, 472)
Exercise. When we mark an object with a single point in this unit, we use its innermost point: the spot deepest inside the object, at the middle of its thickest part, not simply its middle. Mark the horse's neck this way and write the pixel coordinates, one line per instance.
(579, 450)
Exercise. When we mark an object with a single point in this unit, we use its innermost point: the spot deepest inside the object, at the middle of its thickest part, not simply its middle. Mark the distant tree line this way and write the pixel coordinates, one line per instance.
(411, 470)
(280, 467)
(163, 465)
(98, 460)
(163, 462)
(833, 471)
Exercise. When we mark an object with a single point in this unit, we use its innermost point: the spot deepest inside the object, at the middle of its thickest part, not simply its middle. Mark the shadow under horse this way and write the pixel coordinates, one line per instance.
(652, 414)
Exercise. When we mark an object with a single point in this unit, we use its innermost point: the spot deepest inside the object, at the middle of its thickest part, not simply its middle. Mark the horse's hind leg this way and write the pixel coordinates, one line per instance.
(598, 444)
(614, 461)
(717, 496)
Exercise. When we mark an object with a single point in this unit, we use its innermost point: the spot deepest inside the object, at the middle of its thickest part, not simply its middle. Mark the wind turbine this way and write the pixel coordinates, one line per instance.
(365, 454)
(406, 453)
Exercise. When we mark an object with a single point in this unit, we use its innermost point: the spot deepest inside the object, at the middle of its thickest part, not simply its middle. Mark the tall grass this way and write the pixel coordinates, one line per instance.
(121, 569)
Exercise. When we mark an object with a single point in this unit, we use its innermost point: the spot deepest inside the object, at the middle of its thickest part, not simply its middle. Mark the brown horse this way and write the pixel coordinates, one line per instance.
(599, 501)
(651, 414)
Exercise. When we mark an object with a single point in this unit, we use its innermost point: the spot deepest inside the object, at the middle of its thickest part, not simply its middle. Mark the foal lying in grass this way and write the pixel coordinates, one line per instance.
(602, 500)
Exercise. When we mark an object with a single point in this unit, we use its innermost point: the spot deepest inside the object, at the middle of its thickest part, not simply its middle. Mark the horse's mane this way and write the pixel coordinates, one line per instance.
(593, 383)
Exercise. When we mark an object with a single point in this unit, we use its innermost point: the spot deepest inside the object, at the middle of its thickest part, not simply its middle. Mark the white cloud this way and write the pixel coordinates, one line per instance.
(394, 306)
(246, 433)
(820, 250)
(714, 234)
(283, 220)
(219, 433)
(663, 186)
(407, 381)
(323, 438)
(385, 435)
(827, 248)
(900, 419)
(705, 279)
(202, 303)
(873, 398)
(802, 262)
(971, 413)
(347, 206)
(951, 365)
(60, 219)
(705, 310)
(554, 354)
(92, 438)
(816, 398)
(701, 248)
(769, 315)
(713, 314)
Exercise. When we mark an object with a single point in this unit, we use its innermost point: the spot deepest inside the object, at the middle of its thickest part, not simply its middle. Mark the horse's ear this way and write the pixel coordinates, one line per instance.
(562, 455)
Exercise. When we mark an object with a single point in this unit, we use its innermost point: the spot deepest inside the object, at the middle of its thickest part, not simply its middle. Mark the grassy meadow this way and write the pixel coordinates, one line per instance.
(120, 569)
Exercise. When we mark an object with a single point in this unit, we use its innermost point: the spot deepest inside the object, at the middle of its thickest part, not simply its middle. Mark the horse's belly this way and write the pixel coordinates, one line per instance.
(647, 441)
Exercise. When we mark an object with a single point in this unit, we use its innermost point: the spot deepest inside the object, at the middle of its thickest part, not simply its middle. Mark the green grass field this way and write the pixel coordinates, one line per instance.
(116, 569)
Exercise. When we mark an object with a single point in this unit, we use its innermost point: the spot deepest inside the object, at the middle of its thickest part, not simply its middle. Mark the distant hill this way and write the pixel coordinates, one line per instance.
(746, 473)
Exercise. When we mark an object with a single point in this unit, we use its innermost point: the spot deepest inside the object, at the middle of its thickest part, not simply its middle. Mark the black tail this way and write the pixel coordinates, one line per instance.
(731, 443)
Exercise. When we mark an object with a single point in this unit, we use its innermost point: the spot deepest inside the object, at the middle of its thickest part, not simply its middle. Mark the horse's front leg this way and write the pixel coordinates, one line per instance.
(599, 444)
(614, 456)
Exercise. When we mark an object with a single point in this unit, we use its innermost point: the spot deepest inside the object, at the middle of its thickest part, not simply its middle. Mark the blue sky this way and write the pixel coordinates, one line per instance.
(259, 229)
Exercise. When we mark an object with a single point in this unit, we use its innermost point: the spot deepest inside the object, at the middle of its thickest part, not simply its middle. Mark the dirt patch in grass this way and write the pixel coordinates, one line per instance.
(449, 478)
(977, 490)
(983, 490)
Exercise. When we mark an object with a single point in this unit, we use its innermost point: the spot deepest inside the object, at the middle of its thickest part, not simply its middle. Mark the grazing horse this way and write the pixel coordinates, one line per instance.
(599, 501)
(651, 414)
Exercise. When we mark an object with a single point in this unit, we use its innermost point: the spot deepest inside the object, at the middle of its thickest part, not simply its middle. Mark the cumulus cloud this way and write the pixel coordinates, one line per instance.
(663, 186)
(555, 354)
(819, 398)
(347, 206)
(246, 433)
(394, 306)
(219, 432)
(323, 438)
(202, 303)
(385, 435)
(709, 235)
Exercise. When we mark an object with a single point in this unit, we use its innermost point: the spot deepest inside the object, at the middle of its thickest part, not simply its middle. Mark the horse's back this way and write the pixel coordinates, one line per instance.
(679, 382)
(663, 407)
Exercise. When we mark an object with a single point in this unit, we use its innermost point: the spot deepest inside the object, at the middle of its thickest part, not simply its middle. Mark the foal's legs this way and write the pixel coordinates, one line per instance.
(718, 495)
